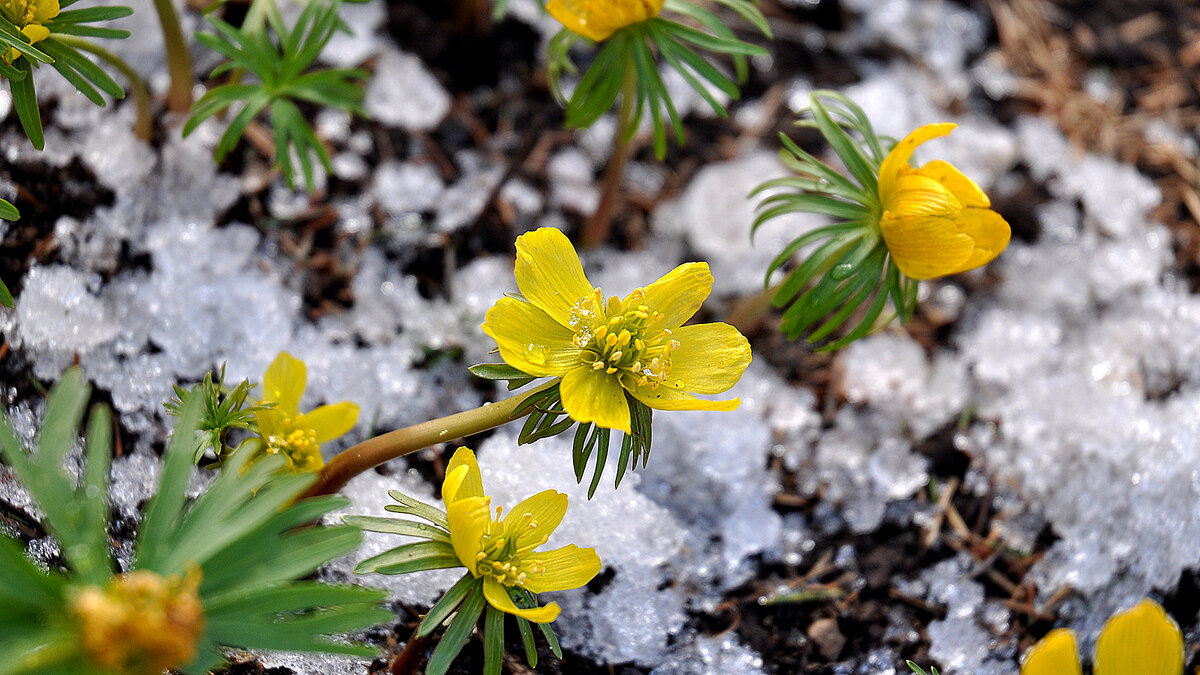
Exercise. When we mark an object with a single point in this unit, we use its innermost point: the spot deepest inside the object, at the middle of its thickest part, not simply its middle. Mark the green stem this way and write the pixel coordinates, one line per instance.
(596, 230)
(375, 451)
(143, 127)
(179, 61)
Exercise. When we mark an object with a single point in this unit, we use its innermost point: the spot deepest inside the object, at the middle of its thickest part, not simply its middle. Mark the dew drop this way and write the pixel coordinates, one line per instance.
(536, 354)
(841, 271)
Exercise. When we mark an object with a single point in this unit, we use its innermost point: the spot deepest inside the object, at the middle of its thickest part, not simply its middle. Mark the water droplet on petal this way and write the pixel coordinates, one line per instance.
(536, 354)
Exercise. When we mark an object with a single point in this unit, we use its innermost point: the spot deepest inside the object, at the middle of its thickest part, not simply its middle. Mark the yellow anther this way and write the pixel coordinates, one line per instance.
(599, 365)
(610, 340)
(624, 338)
(610, 371)
(616, 356)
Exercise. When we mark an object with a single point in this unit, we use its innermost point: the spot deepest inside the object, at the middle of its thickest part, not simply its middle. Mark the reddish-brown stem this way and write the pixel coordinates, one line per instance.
(596, 230)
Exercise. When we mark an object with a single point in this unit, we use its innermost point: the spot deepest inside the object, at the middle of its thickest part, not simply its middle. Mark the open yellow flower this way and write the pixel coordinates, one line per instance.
(598, 19)
(564, 328)
(29, 16)
(502, 552)
(1140, 641)
(935, 220)
(294, 434)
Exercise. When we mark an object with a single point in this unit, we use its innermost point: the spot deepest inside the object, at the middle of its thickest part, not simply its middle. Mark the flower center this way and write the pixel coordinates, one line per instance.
(618, 338)
(299, 445)
(504, 554)
(21, 12)
(141, 622)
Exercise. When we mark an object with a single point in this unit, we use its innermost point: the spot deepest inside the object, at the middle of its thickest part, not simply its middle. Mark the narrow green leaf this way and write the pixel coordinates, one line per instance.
(457, 634)
(531, 655)
(421, 555)
(25, 101)
(450, 600)
(417, 508)
(846, 148)
(89, 15)
(493, 641)
(407, 528)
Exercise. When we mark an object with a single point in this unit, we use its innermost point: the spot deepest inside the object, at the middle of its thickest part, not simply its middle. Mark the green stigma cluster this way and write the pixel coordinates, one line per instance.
(621, 343)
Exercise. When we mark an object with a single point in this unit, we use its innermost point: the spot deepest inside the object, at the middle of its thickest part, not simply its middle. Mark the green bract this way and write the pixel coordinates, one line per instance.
(245, 537)
(848, 265)
(280, 62)
(546, 418)
(63, 49)
(627, 64)
(7, 212)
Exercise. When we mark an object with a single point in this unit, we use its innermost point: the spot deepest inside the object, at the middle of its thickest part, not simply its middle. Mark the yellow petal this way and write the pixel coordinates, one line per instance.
(889, 170)
(284, 383)
(469, 482)
(330, 421)
(571, 14)
(566, 568)
(546, 509)
(529, 339)
(35, 32)
(925, 247)
(598, 20)
(1055, 654)
(468, 520)
(966, 190)
(917, 195)
(1142, 641)
(989, 231)
(44, 10)
(710, 359)
(679, 293)
(595, 396)
(668, 398)
(549, 273)
(270, 422)
(497, 596)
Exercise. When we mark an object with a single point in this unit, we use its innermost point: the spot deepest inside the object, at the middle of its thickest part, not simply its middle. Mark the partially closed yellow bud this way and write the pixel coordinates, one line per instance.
(935, 221)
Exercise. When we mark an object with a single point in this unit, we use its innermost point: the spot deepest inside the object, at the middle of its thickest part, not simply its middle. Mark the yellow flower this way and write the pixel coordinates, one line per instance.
(935, 220)
(285, 429)
(501, 552)
(598, 19)
(601, 350)
(1139, 641)
(29, 15)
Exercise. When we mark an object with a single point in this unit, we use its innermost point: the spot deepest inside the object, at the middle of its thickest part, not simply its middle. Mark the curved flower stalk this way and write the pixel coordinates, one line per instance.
(288, 432)
(219, 572)
(40, 31)
(617, 358)
(894, 224)
(1143, 640)
(504, 568)
(280, 62)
